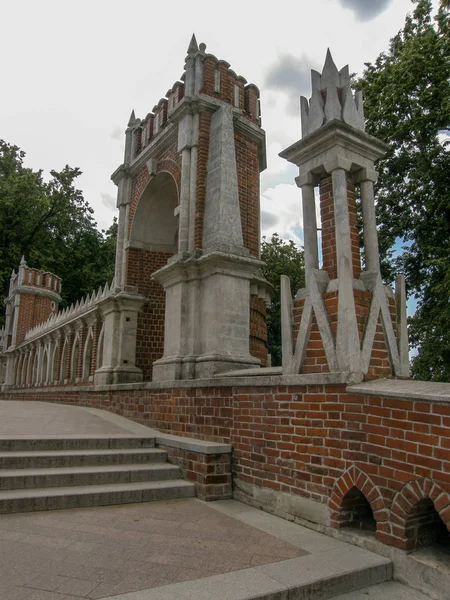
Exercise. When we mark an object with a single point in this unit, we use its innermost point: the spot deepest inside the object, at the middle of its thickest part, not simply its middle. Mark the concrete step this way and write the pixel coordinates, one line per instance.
(312, 577)
(71, 458)
(15, 479)
(57, 442)
(13, 501)
(390, 590)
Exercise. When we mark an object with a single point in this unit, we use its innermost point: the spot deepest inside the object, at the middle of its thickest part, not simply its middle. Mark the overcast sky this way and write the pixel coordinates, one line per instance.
(72, 73)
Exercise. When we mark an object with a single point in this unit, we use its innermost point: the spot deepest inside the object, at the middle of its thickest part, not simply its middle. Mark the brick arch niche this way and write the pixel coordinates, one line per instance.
(356, 502)
(153, 239)
(155, 223)
(420, 516)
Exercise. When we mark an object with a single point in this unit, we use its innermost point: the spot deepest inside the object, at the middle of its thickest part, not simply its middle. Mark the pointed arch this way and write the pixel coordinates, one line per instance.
(101, 337)
(410, 508)
(52, 365)
(87, 355)
(64, 360)
(344, 492)
(74, 356)
(154, 226)
(44, 368)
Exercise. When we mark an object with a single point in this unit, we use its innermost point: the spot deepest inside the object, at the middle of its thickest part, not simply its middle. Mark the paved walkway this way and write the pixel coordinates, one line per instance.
(172, 550)
(18, 418)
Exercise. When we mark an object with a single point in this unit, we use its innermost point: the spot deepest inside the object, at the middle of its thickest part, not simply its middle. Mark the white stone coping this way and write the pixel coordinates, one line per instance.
(404, 388)
(190, 444)
(247, 380)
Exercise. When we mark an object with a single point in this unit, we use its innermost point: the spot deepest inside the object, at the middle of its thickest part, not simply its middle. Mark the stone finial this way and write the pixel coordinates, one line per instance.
(23, 262)
(132, 119)
(331, 99)
(193, 46)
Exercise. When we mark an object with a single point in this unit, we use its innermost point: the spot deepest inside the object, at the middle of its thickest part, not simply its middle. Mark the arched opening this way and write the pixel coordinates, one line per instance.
(153, 241)
(100, 347)
(74, 358)
(424, 527)
(64, 356)
(43, 374)
(155, 226)
(52, 370)
(34, 374)
(87, 356)
(356, 511)
(23, 374)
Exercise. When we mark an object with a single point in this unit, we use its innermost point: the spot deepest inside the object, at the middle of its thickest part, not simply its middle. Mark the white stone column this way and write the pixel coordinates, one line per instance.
(120, 246)
(306, 183)
(193, 182)
(341, 216)
(367, 178)
(183, 230)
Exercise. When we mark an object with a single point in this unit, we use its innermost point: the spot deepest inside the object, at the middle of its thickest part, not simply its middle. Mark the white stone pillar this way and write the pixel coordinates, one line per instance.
(193, 182)
(366, 178)
(306, 183)
(341, 217)
(183, 230)
(120, 246)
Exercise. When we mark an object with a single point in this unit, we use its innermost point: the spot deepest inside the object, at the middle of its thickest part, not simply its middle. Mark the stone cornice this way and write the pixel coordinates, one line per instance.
(33, 291)
(357, 146)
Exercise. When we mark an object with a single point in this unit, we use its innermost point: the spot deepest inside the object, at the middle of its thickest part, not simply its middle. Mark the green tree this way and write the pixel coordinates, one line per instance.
(281, 258)
(407, 104)
(52, 226)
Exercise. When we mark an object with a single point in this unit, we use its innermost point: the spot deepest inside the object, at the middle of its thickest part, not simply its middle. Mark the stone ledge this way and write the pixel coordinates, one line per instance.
(191, 445)
(400, 388)
(224, 380)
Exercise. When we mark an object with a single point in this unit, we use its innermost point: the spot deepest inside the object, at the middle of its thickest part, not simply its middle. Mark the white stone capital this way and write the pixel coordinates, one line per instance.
(306, 179)
(337, 162)
(365, 174)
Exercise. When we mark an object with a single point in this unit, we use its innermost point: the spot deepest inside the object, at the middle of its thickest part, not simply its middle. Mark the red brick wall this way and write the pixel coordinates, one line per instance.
(258, 329)
(248, 184)
(33, 310)
(314, 441)
(204, 128)
(141, 265)
(328, 232)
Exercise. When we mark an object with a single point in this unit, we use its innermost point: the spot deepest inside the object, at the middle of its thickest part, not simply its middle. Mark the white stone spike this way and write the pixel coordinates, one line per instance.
(76, 306)
(105, 290)
(350, 114)
(316, 106)
(330, 74)
(359, 102)
(344, 76)
(113, 283)
(99, 293)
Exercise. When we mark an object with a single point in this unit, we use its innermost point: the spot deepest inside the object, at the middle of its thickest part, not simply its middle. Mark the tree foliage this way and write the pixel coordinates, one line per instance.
(407, 104)
(50, 224)
(281, 258)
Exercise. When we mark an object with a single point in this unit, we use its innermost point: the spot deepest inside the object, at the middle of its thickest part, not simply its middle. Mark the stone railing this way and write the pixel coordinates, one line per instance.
(67, 348)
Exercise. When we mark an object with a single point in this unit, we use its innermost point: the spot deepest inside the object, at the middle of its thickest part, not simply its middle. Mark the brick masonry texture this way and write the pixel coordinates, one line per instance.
(150, 327)
(314, 441)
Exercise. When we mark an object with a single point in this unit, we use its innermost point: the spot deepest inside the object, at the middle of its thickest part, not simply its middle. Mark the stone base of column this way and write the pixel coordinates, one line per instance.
(110, 376)
(200, 367)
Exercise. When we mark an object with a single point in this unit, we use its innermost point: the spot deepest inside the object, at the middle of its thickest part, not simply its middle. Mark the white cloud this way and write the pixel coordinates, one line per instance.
(281, 211)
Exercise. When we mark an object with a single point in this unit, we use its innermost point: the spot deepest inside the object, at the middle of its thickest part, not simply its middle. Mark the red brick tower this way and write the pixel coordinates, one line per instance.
(345, 320)
(188, 236)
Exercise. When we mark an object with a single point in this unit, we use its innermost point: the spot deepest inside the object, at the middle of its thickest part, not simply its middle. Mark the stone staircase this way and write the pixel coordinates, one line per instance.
(55, 473)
